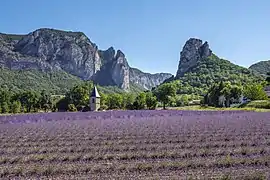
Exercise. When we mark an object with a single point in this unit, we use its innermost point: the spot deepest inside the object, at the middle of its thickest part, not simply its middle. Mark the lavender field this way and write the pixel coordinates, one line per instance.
(165, 144)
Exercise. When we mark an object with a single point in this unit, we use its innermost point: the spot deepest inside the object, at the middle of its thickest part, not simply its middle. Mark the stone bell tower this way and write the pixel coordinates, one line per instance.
(94, 100)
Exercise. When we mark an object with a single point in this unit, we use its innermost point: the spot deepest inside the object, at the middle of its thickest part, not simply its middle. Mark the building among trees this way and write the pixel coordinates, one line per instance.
(94, 100)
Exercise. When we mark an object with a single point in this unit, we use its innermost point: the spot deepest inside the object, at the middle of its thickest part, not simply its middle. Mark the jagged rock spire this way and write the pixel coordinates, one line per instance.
(193, 51)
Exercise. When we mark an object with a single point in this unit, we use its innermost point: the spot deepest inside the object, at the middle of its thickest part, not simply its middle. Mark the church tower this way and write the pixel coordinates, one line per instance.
(94, 100)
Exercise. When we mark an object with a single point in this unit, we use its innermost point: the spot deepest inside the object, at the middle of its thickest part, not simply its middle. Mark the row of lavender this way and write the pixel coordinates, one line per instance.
(59, 116)
(166, 144)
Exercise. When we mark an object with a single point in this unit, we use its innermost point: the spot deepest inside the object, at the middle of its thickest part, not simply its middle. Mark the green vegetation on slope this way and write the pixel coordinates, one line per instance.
(22, 80)
(57, 82)
(262, 67)
(211, 70)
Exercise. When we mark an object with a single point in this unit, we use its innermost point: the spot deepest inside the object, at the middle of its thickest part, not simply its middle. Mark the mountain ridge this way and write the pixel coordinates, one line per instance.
(262, 67)
(50, 50)
(16, 37)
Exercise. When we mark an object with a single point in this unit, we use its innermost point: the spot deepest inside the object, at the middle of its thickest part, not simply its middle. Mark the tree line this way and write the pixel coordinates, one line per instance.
(24, 102)
(221, 94)
(224, 93)
(77, 99)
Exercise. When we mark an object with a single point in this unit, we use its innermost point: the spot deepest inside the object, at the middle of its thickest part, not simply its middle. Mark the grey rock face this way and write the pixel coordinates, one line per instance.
(115, 70)
(120, 71)
(14, 60)
(107, 55)
(147, 80)
(193, 51)
(72, 52)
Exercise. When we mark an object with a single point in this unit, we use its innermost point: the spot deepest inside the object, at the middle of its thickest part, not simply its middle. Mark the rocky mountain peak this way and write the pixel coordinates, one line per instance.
(111, 50)
(52, 50)
(119, 54)
(193, 51)
(107, 55)
(72, 52)
(204, 50)
(193, 42)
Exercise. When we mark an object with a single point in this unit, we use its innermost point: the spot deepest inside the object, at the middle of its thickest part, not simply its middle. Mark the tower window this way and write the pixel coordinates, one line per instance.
(93, 100)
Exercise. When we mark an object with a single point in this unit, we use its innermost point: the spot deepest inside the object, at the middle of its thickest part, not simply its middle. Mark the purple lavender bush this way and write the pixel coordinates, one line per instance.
(135, 144)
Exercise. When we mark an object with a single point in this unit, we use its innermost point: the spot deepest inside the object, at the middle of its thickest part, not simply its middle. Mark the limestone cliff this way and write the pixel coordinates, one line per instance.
(193, 51)
(72, 52)
(147, 80)
(115, 70)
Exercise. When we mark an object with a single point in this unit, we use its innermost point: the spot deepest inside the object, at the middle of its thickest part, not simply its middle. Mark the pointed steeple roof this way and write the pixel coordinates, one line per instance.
(95, 93)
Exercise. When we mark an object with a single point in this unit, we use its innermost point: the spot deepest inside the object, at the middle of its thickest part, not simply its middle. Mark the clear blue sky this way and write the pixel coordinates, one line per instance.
(152, 32)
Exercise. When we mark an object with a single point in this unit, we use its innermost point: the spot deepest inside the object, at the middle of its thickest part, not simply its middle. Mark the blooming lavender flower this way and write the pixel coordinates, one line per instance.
(135, 145)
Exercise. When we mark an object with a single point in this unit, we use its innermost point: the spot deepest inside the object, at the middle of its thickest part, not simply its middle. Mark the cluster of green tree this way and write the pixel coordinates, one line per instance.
(184, 94)
(78, 99)
(164, 95)
(75, 99)
(223, 94)
(168, 94)
(27, 101)
(255, 92)
(211, 70)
